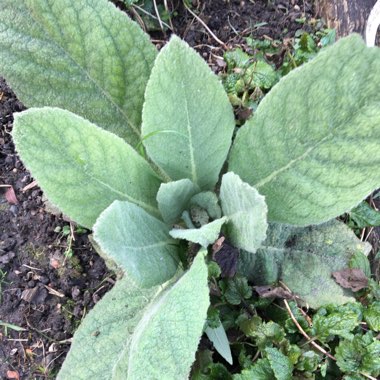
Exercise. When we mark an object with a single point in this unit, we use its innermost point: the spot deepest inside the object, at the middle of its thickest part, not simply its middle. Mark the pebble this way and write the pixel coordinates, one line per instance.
(14, 210)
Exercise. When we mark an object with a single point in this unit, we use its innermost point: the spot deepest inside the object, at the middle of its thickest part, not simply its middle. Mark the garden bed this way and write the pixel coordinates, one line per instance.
(50, 276)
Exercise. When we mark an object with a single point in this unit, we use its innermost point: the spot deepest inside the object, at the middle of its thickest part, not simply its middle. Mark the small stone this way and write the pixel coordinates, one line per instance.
(14, 210)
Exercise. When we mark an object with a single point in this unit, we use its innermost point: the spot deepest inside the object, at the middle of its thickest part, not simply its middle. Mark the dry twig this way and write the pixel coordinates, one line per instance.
(310, 340)
(206, 27)
(302, 331)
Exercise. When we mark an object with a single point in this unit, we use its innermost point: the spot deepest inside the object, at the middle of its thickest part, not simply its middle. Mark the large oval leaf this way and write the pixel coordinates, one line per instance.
(187, 118)
(304, 258)
(131, 334)
(87, 57)
(312, 147)
(81, 168)
(137, 242)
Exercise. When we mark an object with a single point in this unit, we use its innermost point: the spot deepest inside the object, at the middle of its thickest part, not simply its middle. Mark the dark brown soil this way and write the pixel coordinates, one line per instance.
(42, 290)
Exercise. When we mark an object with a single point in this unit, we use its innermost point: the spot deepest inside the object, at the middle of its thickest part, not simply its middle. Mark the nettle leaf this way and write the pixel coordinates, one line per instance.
(81, 168)
(185, 98)
(365, 216)
(174, 197)
(120, 336)
(287, 251)
(281, 365)
(312, 147)
(237, 290)
(246, 211)
(261, 370)
(138, 243)
(361, 354)
(89, 58)
(371, 315)
(339, 321)
(204, 235)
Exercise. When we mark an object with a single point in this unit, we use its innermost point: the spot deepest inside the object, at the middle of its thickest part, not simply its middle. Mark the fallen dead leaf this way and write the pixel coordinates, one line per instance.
(13, 375)
(354, 279)
(29, 353)
(227, 258)
(271, 292)
(29, 186)
(55, 263)
(218, 245)
(10, 196)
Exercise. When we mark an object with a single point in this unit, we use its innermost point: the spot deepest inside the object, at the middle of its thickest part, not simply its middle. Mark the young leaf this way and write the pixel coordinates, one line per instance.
(340, 321)
(86, 57)
(261, 370)
(219, 339)
(287, 251)
(173, 198)
(362, 354)
(120, 336)
(307, 145)
(237, 290)
(81, 168)
(246, 211)
(204, 236)
(208, 201)
(365, 216)
(281, 365)
(137, 242)
(371, 315)
(360, 261)
(184, 96)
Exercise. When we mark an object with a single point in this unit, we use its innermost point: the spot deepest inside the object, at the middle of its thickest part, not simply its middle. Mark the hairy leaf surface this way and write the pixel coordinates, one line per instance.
(81, 168)
(119, 338)
(137, 242)
(304, 258)
(173, 198)
(185, 100)
(174, 324)
(312, 147)
(101, 343)
(207, 200)
(87, 57)
(204, 235)
(246, 211)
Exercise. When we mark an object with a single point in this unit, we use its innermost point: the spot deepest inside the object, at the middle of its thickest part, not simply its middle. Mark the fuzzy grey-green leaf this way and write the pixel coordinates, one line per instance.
(137, 242)
(174, 324)
(312, 147)
(118, 340)
(80, 167)
(205, 235)
(287, 251)
(103, 338)
(87, 57)
(208, 201)
(173, 198)
(246, 211)
(185, 97)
